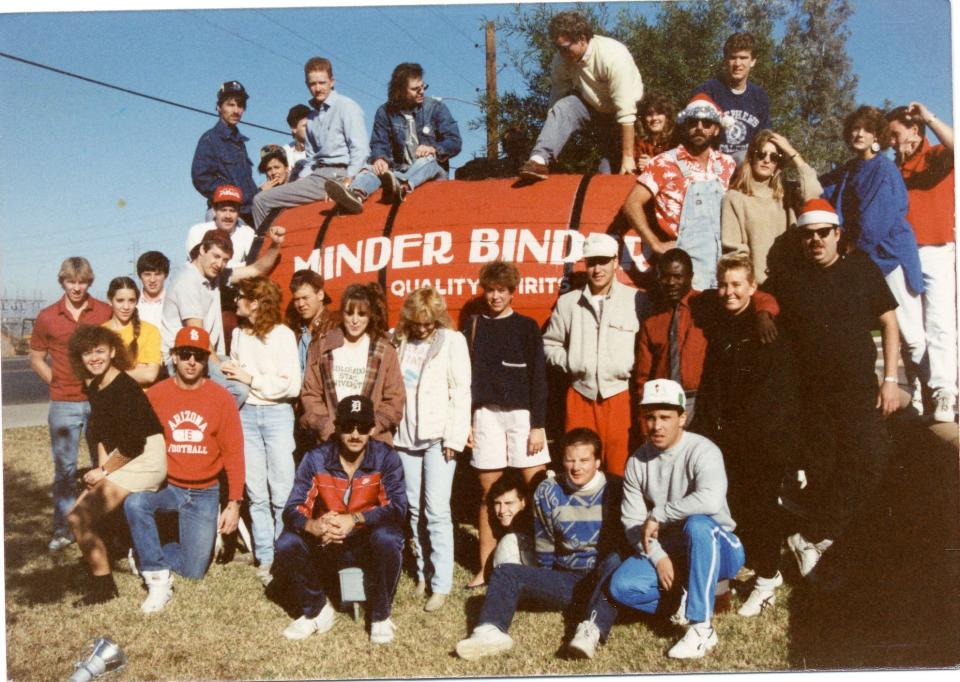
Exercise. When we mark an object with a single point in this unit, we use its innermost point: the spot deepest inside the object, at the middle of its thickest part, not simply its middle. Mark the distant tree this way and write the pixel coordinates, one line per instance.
(802, 63)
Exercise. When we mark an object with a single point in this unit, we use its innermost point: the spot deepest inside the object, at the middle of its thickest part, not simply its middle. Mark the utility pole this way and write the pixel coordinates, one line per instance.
(492, 103)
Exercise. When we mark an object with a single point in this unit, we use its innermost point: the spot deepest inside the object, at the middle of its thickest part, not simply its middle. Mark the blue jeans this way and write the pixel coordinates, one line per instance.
(707, 552)
(311, 567)
(268, 454)
(570, 114)
(583, 591)
(66, 419)
(428, 477)
(420, 171)
(237, 389)
(197, 509)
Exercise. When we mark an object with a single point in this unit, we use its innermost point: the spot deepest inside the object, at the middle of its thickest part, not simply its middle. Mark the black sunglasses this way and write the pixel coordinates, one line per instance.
(187, 354)
(761, 155)
(822, 232)
(363, 428)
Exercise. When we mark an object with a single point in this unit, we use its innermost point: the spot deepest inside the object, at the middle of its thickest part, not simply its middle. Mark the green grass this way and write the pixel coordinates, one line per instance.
(223, 627)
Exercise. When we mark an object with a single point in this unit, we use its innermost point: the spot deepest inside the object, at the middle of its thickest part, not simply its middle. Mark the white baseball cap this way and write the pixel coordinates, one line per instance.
(599, 245)
(664, 392)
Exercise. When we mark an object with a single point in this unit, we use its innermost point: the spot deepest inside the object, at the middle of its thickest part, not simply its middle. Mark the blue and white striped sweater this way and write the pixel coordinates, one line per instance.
(567, 525)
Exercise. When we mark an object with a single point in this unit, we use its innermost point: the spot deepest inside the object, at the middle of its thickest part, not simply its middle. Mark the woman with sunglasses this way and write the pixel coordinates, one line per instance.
(871, 200)
(757, 209)
(354, 358)
(263, 355)
(141, 339)
(435, 364)
(129, 447)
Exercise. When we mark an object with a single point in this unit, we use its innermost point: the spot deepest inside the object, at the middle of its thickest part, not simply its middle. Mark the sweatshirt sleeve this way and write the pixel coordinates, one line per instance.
(766, 302)
(391, 477)
(284, 382)
(732, 234)
(626, 86)
(709, 486)
(230, 441)
(555, 337)
(633, 508)
(538, 378)
(543, 525)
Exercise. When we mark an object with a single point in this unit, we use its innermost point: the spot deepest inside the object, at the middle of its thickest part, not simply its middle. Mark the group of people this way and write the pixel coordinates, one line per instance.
(743, 383)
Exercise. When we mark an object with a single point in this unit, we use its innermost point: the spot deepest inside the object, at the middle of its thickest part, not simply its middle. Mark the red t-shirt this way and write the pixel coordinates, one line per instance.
(202, 431)
(929, 177)
(51, 333)
(666, 181)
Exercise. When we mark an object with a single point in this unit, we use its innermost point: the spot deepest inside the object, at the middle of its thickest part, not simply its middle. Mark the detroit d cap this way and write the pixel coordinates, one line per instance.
(357, 409)
(192, 337)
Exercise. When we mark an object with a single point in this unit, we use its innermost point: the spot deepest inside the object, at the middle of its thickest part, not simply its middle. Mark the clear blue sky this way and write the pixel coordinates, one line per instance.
(93, 172)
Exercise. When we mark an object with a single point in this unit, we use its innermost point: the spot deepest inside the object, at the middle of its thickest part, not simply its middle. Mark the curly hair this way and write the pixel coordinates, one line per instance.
(399, 79)
(870, 119)
(500, 273)
(744, 174)
(86, 338)
(570, 24)
(267, 295)
(740, 42)
(659, 103)
(423, 305)
(372, 302)
(118, 284)
(736, 261)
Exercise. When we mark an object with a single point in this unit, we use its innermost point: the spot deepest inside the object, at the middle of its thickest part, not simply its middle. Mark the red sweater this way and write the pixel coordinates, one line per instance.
(52, 332)
(203, 434)
(929, 177)
(697, 310)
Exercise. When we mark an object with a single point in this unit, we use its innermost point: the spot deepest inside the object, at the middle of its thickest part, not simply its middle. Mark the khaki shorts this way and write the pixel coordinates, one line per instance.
(500, 440)
(145, 472)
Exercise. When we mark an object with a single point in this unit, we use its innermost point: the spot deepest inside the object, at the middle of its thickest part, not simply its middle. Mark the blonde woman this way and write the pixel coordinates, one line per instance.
(435, 364)
(263, 355)
(756, 210)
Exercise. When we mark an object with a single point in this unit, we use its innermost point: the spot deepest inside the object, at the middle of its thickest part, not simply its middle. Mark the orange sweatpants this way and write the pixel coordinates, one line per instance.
(610, 418)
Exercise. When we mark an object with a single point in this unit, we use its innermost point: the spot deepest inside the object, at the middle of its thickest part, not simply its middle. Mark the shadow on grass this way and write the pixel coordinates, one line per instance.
(896, 602)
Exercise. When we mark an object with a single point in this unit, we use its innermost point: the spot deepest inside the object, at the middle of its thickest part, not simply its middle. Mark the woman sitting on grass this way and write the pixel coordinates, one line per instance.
(129, 442)
(141, 339)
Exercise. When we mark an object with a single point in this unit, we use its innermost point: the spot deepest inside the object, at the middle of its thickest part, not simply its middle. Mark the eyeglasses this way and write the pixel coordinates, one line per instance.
(423, 87)
(566, 47)
(822, 232)
(761, 155)
(187, 354)
(704, 123)
(362, 428)
(238, 296)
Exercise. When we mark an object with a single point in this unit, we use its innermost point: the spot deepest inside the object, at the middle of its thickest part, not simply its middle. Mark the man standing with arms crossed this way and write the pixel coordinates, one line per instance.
(69, 409)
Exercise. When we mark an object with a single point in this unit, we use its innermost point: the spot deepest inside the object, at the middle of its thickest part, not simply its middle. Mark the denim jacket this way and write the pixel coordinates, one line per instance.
(435, 127)
(221, 159)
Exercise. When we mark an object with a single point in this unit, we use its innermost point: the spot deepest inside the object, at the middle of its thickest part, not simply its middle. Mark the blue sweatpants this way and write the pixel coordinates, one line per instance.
(709, 553)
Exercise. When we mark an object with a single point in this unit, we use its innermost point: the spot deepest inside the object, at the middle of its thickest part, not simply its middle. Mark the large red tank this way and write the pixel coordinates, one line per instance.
(445, 231)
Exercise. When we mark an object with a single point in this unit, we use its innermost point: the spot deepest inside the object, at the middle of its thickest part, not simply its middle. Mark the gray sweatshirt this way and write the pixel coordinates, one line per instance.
(671, 485)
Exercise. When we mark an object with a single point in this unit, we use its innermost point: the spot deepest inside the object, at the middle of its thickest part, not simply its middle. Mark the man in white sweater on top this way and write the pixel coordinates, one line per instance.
(675, 510)
(595, 84)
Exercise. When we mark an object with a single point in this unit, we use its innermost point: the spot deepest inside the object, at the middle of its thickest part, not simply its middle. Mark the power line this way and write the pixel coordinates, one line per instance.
(128, 91)
(439, 12)
(417, 41)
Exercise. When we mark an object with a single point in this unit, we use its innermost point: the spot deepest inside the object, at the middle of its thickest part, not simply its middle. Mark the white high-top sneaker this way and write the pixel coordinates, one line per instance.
(159, 588)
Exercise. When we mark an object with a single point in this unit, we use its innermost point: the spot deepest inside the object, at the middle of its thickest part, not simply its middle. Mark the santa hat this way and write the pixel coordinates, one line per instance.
(817, 211)
(703, 107)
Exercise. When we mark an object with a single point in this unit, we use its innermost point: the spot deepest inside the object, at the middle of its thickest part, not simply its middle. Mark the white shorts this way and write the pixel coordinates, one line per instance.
(500, 440)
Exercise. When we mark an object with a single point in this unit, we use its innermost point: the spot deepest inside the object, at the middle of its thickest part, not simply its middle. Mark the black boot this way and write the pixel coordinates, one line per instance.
(102, 589)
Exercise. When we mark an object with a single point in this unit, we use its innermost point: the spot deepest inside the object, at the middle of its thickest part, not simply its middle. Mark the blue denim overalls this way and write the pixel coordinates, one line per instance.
(699, 230)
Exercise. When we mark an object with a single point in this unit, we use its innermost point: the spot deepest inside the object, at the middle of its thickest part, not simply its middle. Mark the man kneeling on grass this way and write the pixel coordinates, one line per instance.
(347, 508)
(578, 536)
(675, 509)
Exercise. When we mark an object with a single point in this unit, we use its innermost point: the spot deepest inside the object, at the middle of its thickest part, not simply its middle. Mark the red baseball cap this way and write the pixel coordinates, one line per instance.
(192, 337)
(228, 193)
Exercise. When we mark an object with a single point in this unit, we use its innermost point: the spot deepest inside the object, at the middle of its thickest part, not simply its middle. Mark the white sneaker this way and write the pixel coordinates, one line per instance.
(132, 563)
(585, 641)
(806, 552)
(680, 616)
(697, 641)
(303, 627)
(264, 575)
(59, 543)
(762, 596)
(485, 640)
(159, 590)
(382, 631)
(945, 409)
